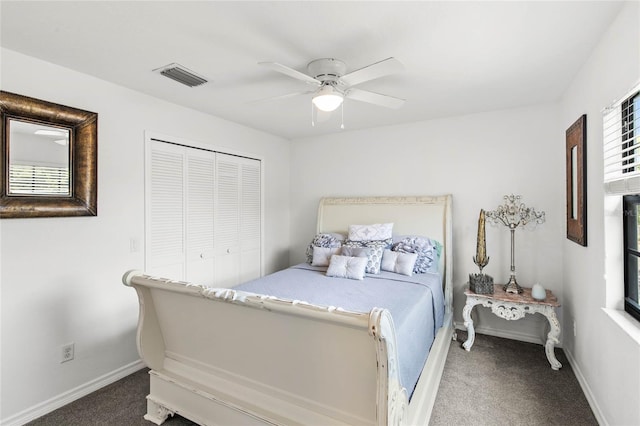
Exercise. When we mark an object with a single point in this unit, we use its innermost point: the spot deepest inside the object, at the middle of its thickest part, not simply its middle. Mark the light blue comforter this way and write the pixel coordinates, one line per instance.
(416, 304)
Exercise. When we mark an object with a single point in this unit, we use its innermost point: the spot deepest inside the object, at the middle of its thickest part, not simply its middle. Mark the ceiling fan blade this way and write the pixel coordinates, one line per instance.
(373, 71)
(374, 98)
(290, 72)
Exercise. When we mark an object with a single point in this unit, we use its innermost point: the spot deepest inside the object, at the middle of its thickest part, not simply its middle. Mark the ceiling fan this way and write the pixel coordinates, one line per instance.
(331, 84)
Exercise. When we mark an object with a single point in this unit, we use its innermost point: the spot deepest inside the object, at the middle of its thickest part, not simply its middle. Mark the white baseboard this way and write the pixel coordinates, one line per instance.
(586, 389)
(65, 398)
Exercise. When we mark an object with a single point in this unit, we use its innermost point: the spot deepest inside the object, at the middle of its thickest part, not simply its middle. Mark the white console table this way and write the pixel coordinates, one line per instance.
(513, 307)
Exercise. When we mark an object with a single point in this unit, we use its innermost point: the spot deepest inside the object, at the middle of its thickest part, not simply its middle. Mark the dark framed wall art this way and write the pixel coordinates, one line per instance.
(576, 160)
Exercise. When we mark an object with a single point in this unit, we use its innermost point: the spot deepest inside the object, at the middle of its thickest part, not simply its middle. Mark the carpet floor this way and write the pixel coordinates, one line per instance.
(499, 382)
(507, 382)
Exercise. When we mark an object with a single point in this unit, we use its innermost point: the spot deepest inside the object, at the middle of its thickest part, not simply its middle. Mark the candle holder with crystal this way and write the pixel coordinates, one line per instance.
(514, 214)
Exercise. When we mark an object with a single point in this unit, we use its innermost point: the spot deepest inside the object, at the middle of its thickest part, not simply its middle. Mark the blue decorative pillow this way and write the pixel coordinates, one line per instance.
(323, 240)
(427, 249)
(373, 253)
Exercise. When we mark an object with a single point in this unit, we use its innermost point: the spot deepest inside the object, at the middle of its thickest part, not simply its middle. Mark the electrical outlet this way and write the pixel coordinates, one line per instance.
(575, 329)
(67, 352)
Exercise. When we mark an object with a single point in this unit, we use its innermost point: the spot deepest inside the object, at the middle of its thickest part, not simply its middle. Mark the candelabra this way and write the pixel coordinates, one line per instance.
(513, 214)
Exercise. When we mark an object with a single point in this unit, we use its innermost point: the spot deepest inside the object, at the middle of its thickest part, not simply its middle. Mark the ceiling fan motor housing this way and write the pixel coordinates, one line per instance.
(327, 70)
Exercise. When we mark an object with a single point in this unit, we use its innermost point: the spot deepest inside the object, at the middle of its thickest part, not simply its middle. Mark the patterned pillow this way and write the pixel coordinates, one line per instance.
(377, 231)
(428, 252)
(323, 240)
(347, 267)
(400, 263)
(374, 254)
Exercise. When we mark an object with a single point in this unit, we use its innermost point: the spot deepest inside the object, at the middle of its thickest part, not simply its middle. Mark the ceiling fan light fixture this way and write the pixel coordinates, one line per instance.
(328, 99)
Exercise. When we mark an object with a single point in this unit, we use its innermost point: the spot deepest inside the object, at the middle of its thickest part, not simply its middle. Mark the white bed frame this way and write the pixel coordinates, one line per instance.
(225, 357)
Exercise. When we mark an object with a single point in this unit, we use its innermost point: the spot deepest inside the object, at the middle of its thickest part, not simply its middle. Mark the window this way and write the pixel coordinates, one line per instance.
(631, 254)
(621, 155)
(630, 138)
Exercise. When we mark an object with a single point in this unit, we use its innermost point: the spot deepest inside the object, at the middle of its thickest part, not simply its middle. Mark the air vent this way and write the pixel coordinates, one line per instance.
(182, 75)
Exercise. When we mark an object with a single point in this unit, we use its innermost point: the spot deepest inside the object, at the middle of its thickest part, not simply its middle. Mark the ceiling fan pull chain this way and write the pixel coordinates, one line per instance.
(313, 124)
(342, 110)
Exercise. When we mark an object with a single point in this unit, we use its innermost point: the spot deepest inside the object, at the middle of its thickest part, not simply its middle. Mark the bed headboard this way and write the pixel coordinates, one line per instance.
(422, 215)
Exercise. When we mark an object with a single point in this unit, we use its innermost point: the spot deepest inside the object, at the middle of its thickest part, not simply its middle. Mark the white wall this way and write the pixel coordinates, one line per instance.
(477, 158)
(61, 277)
(604, 356)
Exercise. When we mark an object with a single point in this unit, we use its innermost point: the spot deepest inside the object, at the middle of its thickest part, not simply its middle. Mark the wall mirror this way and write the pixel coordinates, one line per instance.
(49, 159)
(576, 163)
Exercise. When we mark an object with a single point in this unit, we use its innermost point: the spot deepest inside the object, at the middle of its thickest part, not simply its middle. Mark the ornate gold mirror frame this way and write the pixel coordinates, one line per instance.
(80, 199)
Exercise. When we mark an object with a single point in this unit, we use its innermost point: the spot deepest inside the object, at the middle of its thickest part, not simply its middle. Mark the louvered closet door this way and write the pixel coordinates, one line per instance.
(250, 220)
(164, 200)
(237, 221)
(199, 213)
(227, 221)
(202, 215)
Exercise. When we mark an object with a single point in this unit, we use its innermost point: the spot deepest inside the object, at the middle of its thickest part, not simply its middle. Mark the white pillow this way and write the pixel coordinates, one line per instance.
(322, 255)
(400, 263)
(347, 267)
(377, 231)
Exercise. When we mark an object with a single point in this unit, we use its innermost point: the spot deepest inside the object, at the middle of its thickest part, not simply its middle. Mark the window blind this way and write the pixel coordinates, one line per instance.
(31, 179)
(621, 138)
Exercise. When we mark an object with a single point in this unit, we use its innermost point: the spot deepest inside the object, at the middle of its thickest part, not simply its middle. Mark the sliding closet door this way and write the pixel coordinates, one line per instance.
(164, 210)
(237, 222)
(250, 220)
(227, 221)
(199, 213)
(203, 215)
(179, 212)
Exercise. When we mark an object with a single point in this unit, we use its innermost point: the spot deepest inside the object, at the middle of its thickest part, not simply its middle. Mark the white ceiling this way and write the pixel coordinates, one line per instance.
(459, 57)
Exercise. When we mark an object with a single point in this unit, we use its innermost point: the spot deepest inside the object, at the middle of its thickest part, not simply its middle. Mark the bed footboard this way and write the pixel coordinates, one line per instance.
(219, 356)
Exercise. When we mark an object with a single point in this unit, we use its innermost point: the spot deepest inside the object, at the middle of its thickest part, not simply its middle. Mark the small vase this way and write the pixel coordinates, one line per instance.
(538, 292)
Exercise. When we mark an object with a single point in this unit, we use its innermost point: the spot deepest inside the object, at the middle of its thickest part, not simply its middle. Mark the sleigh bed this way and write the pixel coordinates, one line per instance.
(238, 357)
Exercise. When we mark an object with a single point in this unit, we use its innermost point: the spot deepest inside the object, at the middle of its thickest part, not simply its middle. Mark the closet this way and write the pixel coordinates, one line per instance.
(203, 215)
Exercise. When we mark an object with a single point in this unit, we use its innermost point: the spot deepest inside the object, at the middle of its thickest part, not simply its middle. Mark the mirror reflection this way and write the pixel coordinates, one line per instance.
(574, 182)
(38, 159)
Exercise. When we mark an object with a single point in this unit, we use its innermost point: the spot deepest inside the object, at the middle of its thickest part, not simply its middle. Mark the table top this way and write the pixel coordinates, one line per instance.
(525, 297)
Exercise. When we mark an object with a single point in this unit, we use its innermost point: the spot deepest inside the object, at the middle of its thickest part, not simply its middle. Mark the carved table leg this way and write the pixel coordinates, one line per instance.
(468, 323)
(552, 338)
